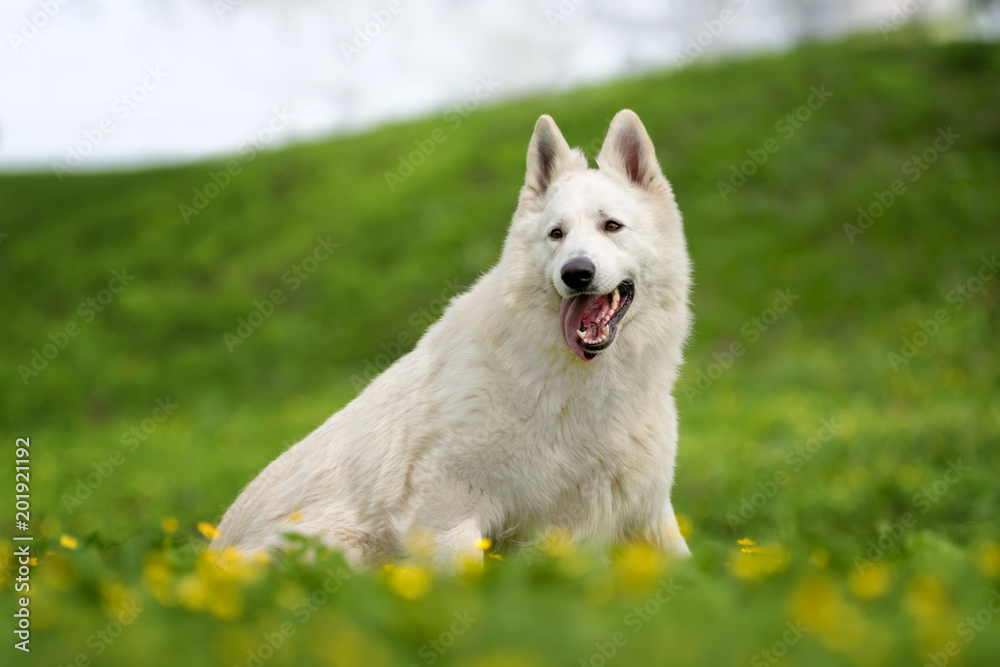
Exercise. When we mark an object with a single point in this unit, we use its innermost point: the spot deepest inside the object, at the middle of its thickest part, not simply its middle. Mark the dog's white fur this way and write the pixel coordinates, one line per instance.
(492, 426)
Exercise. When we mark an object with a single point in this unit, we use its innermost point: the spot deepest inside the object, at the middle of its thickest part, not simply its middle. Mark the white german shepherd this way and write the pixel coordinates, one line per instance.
(541, 399)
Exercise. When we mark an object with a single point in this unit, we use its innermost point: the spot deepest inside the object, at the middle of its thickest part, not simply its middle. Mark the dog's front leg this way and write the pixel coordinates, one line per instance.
(443, 530)
(452, 550)
(459, 548)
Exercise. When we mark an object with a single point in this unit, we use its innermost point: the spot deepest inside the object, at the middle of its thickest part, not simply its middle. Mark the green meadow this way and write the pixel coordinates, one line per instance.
(168, 332)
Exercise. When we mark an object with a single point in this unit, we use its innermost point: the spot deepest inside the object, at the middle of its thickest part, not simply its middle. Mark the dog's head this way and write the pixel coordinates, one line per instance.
(609, 240)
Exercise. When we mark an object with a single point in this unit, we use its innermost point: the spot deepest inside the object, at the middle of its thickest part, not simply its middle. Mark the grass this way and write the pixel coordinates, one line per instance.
(862, 484)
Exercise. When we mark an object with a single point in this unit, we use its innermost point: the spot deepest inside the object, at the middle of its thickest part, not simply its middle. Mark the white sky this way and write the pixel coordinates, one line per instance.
(223, 74)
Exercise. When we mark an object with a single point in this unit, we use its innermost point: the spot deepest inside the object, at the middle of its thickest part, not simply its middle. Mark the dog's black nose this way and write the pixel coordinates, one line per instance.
(578, 272)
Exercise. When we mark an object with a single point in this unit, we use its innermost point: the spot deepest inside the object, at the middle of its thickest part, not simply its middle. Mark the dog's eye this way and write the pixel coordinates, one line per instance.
(612, 226)
(556, 234)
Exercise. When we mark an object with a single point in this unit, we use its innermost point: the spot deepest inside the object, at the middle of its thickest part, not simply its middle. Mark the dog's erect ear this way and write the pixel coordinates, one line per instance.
(629, 150)
(548, 156)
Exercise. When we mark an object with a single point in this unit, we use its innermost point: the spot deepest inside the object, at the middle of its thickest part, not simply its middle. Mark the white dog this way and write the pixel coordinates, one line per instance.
(541, 399)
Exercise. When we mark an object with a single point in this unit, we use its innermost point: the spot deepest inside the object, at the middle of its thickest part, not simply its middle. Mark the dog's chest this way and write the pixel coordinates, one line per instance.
(574, 457)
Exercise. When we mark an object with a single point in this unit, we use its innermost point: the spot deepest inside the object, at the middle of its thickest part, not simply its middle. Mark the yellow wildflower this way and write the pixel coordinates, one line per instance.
(115, 599)
(192, 592)
(988, 559)
(870, 582)
(157, 574)
(411, 583)
(639, 565)
(926, 597)
(753, 562)
(69, 542)
(557, 542)
(229, 565)
(817, 603)
(208, 530)
(470, 563)
(226, 604)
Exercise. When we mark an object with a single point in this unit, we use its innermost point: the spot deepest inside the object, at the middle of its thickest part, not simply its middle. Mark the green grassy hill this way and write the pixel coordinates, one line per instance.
(852, 441)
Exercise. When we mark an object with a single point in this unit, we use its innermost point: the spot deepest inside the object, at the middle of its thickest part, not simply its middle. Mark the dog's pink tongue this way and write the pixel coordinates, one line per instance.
(576, 310)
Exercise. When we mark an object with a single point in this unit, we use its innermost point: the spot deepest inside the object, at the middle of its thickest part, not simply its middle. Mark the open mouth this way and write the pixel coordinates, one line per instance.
(590, 321)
